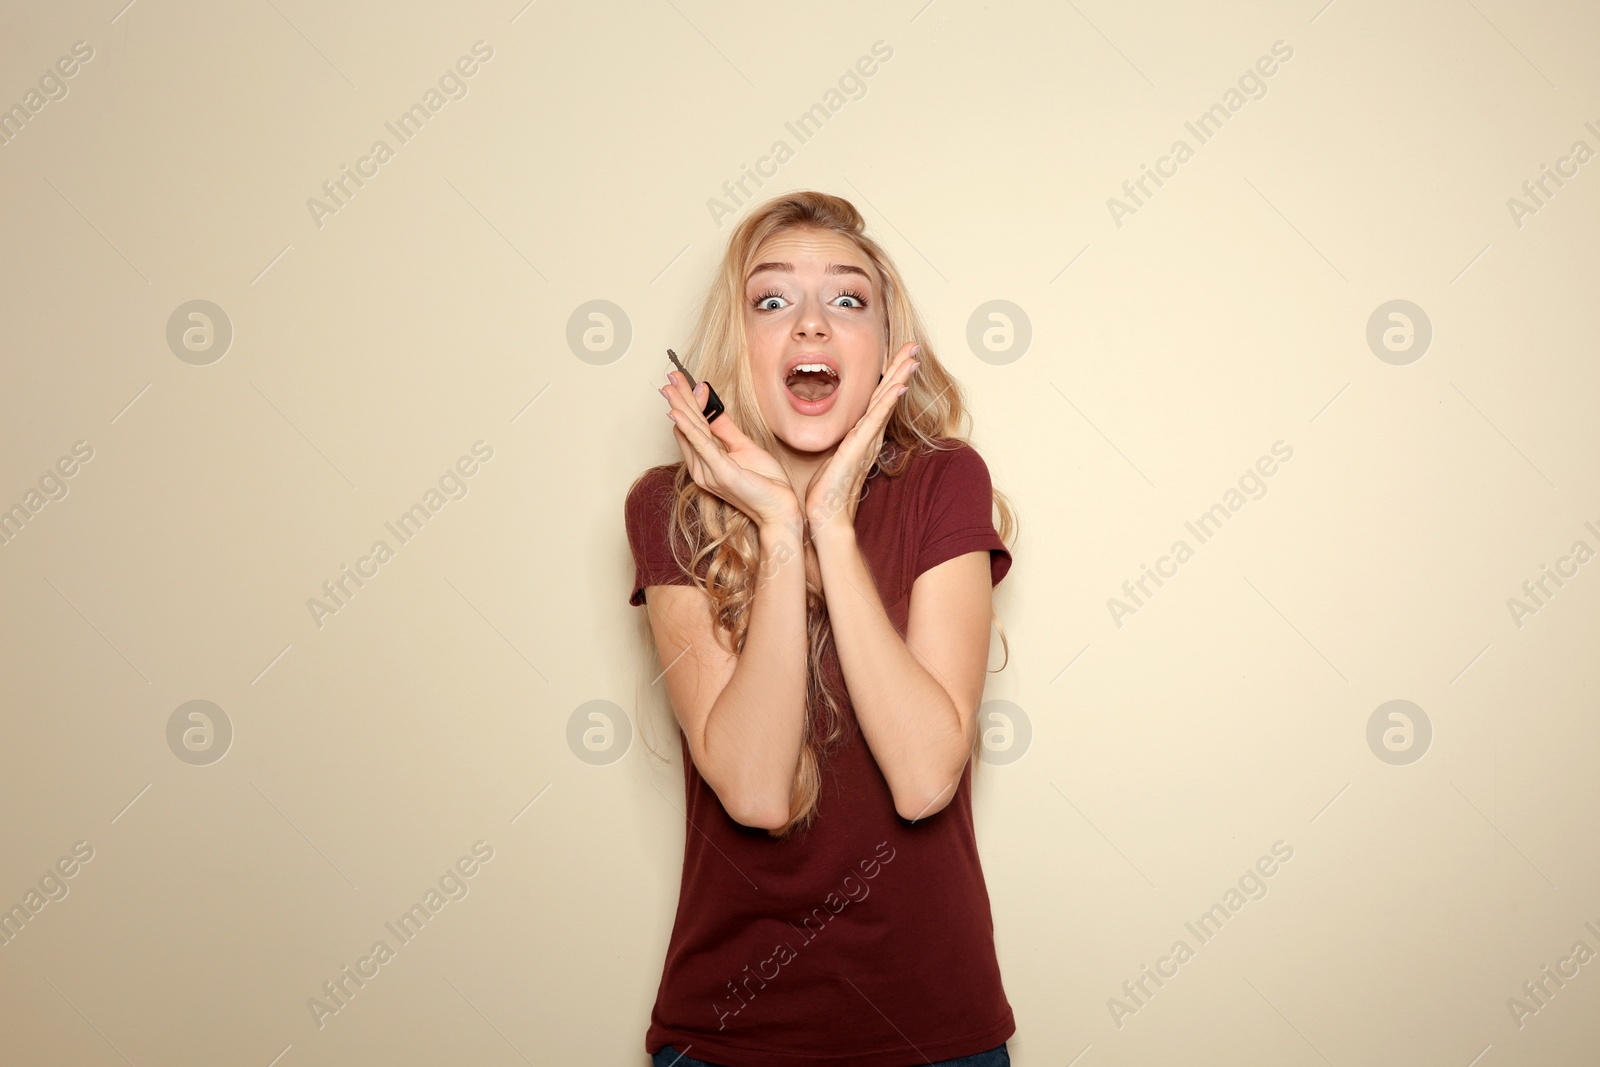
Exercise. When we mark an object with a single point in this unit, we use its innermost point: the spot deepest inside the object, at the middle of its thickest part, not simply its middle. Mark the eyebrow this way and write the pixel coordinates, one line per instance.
(788, 268)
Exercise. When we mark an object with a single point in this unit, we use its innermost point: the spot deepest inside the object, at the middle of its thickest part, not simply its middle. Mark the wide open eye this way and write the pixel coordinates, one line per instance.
(764, 297)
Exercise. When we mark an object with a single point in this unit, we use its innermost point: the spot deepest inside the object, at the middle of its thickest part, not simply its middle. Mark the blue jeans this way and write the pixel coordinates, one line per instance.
(995, 1057)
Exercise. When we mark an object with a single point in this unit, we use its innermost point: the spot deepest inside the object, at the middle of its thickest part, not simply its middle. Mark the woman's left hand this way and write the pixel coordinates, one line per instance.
(835, 489)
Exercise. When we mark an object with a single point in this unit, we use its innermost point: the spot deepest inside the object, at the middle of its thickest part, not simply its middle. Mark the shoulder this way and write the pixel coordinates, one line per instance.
(943, 479)
(651, 486)
(954, 500)
(951, 462)
(649, 498)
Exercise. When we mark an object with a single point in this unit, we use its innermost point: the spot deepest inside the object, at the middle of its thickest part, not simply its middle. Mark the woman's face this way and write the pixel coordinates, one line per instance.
(813, 298)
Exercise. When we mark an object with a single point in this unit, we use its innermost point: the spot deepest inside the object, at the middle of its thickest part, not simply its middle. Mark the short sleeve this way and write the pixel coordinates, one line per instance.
(647, 513)
(960, 514)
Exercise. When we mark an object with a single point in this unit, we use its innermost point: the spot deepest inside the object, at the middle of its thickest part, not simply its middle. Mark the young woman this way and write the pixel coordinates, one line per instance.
(817, 574)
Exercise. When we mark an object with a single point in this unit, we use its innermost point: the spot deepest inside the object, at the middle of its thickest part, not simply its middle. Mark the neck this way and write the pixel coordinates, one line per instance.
(801, 467)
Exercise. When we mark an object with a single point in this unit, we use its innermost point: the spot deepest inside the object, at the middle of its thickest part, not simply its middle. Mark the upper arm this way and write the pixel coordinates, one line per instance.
(695, 667)
(959, 560)
(947, 629)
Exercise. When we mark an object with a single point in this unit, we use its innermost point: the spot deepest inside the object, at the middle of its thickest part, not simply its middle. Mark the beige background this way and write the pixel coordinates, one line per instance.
(431, 311)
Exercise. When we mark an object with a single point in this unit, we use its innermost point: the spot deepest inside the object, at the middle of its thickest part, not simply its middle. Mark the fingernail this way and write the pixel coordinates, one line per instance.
(916, 350)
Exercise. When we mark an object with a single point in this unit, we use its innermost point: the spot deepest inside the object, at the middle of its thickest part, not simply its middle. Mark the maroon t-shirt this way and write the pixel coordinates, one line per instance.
(865, 940)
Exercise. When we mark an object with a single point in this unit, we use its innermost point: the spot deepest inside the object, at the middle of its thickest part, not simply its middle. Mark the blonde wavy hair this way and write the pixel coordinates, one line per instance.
(706, 528)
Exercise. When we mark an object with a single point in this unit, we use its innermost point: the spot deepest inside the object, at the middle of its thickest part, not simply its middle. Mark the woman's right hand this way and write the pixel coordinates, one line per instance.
(726, 463)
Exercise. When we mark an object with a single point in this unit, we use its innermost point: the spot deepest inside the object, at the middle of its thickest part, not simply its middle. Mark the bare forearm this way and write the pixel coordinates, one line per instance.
(906, 716)
(753, 731)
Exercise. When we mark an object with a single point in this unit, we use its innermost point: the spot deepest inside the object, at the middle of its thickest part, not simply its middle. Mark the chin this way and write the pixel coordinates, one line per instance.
(813, 433)
(811, 436)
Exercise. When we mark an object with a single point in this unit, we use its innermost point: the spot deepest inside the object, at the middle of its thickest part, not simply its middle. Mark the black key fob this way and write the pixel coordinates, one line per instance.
(713, 406)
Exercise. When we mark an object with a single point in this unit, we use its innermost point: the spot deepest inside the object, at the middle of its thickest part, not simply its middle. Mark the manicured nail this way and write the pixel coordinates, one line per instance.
(916, 350)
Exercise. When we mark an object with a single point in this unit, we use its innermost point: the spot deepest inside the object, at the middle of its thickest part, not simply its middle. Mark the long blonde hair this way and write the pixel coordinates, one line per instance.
(704, 527)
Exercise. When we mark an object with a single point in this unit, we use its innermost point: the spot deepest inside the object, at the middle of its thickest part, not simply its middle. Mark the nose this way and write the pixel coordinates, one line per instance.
(812, 321)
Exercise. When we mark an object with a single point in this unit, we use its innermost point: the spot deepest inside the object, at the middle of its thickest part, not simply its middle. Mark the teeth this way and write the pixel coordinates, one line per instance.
(813, 366)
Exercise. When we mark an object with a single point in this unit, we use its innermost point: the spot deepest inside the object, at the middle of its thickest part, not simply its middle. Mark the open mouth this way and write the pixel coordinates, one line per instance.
(812, 381)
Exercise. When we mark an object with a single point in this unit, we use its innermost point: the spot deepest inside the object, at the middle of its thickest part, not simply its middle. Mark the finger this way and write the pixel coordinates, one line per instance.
(698, 437)
(724, 429)
(713, 457)
(907, 353)
(683, 402)
(874, 423)
(680, 384)
(859, 449)
(876, 417)
(883, 403)
(699, 470)
(679, 389)
(728, 432)
(898, 370)
(693, 404)
(908, 363)
(691, 458)
(679, 395)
